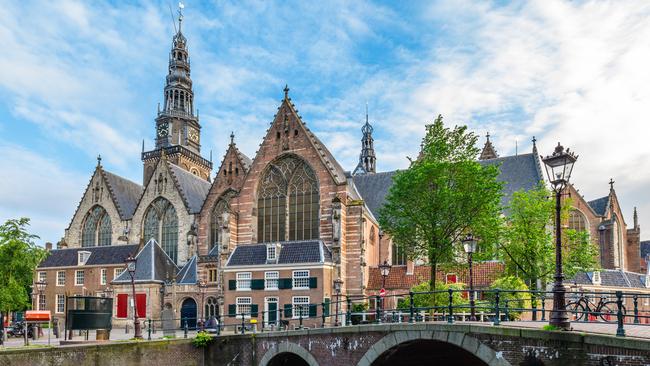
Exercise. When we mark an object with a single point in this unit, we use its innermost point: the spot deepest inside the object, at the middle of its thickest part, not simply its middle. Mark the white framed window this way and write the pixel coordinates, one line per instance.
(82, 257)
(596, 278)
(42, 276)
(300, 305)
(60, 304)
(300, 280)
(271, 280)
(41, 302)
(244, 281)
(60, 278)
(117, 272)
(79, 278)
(102, 277)
(271, 252)
(244, 306)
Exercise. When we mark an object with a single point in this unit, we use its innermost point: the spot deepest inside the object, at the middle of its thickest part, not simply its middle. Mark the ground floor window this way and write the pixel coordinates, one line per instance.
(60, 304)
(211, 308)
(41, 302)
(244, 306)
(300, 305)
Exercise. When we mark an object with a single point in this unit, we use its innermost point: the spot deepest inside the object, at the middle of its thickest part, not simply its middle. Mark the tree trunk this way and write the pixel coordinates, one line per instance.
(432, 281)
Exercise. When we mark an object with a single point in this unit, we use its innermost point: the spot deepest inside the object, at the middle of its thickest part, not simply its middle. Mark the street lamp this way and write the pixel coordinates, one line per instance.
(384, 269)
(108, 292)
(40, 286)
(470, 245)
(338, 284)
(559, 166)
(130, 266)
(202, 289)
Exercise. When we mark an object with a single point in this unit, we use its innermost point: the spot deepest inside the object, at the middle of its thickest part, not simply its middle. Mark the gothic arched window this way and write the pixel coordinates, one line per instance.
(161, 223)
(211, 308)
(97, 228)
(399, 255)
(217, 222)
(577, 221)
(288, 193)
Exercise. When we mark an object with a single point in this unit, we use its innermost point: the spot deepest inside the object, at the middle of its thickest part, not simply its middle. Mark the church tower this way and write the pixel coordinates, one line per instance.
(178, 132)
(367, 159)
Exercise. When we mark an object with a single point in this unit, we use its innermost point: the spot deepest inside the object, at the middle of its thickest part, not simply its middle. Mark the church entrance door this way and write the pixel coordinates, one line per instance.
(188, 313)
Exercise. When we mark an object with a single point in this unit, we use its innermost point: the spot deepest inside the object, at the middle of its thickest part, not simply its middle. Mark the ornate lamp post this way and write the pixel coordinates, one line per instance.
(338, 284)
(202, 289)
(559, 166)
(130, 266)
(384, 269)
(40, 287)
(470, 244)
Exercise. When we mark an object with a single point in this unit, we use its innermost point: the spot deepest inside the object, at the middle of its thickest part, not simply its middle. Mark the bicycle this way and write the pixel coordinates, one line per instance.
(583, 307)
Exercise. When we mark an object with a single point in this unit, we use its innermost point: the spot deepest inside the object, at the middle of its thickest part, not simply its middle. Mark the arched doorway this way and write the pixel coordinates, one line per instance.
(427, 352)
(188, 313)
(287, 359)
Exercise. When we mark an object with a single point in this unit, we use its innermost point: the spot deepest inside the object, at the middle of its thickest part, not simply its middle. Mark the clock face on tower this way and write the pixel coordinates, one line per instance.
(163, 129)
(193, 134)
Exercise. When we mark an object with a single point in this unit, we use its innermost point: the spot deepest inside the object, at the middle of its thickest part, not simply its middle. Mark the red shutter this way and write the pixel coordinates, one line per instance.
(141, 305)
(122, 305)
(451, 278)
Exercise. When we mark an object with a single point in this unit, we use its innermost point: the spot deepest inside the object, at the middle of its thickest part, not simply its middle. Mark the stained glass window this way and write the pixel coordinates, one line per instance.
(288, 192)
(211, 307)
(577, 220)
(96, 229)
(161, 223)
(217, 219)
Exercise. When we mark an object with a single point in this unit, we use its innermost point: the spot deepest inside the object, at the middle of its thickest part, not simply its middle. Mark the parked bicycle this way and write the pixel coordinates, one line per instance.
(583, 307)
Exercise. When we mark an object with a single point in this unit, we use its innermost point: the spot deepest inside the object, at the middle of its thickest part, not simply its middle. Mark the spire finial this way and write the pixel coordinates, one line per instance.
(487, 135)
(366, 112)
(142, 145)
(181, 6)
(286, 91)
(232, 138)
(534, 141)
(99, 160)
(611, 184)
(636, 218)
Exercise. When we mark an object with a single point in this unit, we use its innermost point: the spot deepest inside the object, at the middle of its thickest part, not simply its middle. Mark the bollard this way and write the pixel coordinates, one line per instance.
(126, 329)
(149, 330)
(411, 307)
(323, 314)
(636, 309)
(620, 332)
(543, 308)
(185, 328)
(378, 306)
(348, 318)
(497, 316)
(450, 318)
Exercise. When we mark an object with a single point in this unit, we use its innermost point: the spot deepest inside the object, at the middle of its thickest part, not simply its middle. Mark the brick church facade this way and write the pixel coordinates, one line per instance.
(267, 235)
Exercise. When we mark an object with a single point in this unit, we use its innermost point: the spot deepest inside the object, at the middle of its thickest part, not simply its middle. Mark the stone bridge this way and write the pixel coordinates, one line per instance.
(426, 344)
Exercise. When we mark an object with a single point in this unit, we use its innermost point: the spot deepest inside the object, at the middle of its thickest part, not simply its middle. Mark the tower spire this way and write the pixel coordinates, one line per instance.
(488, 150)
(367, 159)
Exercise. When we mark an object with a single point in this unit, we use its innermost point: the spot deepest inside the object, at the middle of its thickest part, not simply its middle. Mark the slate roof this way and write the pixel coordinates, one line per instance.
(291, 252)
(245, 160)
(126, 194)
(112, 254)
(611, 278)
(374, 188)
(518, 172)
(484, 274)
(188, 274)
(645, 248)
(152, 265)
(214, 251)
(600, 205)
(192, 188)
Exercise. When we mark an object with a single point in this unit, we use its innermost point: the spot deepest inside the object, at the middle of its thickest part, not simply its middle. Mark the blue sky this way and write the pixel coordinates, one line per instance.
(79, 79)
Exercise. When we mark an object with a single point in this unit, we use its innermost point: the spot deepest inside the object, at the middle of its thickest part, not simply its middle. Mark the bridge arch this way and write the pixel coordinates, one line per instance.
(457, 340)
(288, 348)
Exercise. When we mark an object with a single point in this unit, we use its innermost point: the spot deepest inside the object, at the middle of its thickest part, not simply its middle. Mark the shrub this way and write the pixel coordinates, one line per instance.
(515, 300)
(202, 339)
(426, 301)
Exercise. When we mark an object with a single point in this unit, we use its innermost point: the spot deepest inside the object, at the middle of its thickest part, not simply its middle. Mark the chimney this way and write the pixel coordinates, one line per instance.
(48, 246)
(410, 267)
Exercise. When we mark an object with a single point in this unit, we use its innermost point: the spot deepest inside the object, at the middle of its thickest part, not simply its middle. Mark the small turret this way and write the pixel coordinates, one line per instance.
(488, 150)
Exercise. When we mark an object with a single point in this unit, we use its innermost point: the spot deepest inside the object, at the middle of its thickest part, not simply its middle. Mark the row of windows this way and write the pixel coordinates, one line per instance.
(299, 280)
(80, 275)
(299, 306)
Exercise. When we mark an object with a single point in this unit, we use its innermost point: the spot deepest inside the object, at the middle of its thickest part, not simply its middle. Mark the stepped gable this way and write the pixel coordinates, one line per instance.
(69, 257)
(124, 192)
(152, 265)
(193, 189)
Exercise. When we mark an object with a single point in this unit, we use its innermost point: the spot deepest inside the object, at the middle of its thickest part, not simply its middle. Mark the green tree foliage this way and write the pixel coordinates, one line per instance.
(578, 253)
(423, 301)
(19, 256)
(515, 300)
(443, 195)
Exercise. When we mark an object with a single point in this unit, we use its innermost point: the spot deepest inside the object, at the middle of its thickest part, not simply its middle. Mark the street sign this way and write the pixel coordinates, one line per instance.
(382, 292)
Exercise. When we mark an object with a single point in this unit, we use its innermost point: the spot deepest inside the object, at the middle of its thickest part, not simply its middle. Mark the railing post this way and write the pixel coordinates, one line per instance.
(636, 309)
(263, 314)
(497, 316)
(185, 328)
(533, 302)
(378, 305)
(323, 314)
(411, 307)
(450, 319)
(243, 324)
(620, 332)
(149, 330)
(543, 307)
(507, 309)
(348, 314)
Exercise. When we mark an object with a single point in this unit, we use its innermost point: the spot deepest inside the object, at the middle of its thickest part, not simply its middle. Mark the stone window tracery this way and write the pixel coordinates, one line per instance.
(161, 223)
(96, 230)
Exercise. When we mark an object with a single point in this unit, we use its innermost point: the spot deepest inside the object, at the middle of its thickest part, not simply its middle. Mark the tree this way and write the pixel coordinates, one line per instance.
(423, 301)
(442, 196)
(578, 253)
(19, 257)
(509, 287)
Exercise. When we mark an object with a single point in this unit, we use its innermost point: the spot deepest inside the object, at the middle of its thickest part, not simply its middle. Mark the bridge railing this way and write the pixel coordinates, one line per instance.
(491, 306)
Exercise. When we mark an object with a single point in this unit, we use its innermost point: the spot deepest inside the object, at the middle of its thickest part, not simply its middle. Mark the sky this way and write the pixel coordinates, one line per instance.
(78, 79)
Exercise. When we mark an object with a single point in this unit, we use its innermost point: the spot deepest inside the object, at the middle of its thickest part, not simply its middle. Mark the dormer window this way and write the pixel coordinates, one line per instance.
(271, 253)
(82, 258)
(595, 279)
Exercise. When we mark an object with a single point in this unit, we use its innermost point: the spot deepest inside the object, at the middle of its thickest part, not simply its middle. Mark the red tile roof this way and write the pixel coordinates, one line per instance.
(484, 274)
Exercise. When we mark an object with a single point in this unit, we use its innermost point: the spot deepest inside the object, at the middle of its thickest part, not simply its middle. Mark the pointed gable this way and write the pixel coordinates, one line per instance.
(152, 265)
(488, 150)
